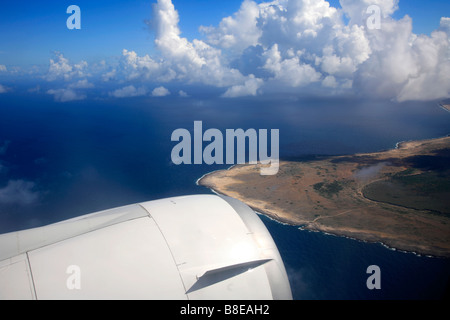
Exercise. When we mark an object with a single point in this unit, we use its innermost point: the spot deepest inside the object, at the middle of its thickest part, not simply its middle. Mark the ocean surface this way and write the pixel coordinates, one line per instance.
(62, 160)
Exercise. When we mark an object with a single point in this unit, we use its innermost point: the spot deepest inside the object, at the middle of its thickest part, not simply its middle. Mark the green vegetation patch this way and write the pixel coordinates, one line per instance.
(426, 191)
(328, 190)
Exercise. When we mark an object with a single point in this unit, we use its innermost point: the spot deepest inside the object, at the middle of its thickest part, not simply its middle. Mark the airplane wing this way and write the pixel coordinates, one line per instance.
(203, 247)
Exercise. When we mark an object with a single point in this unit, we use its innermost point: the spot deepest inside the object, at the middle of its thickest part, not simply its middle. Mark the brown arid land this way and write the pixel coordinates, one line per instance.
(399, 197)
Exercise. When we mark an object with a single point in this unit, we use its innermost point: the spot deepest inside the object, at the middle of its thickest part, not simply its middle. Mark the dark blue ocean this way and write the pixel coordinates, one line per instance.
(71, 159)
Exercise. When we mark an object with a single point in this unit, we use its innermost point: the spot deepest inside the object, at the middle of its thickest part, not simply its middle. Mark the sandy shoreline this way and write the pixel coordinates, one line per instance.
(291, 198)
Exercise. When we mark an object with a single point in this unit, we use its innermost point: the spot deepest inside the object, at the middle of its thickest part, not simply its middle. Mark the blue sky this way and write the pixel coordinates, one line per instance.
(31, 30)
(245, 48)
(425, 14)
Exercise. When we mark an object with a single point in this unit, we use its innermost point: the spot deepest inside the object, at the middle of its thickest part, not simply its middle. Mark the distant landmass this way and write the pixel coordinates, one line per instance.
(399, 197)
(445, 106)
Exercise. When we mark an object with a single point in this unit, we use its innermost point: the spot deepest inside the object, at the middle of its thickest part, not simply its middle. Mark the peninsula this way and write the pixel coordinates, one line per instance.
(399, 197)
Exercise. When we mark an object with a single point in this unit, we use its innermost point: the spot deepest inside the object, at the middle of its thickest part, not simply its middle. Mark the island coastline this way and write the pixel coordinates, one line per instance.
(233, 181)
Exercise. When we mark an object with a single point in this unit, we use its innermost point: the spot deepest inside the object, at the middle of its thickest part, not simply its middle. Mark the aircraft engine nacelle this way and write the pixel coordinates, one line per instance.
(202, 247)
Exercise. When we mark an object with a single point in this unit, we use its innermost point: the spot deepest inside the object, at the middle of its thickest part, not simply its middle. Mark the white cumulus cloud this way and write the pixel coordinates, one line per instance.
(61, 68)
(4, 89)
(285, 45)
(181, 60)
(236, 32)
(305, 42)
(160, 92)
(81, 84)
(129, 91)
(183, 94)
(66, 95)
(249, 88)
(19, 192)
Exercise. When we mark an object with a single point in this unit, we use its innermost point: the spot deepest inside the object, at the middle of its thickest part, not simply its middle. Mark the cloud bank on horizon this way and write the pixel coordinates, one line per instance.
(299, 46)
